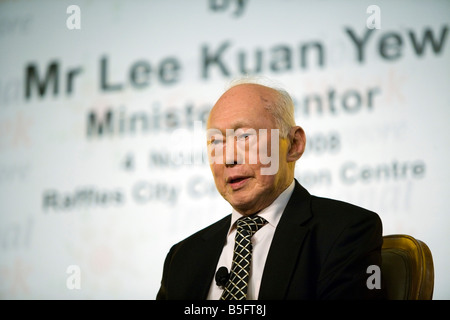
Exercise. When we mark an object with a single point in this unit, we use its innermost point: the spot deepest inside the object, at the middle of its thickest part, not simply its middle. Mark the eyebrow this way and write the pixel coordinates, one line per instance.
(234, 126)
(239, 124)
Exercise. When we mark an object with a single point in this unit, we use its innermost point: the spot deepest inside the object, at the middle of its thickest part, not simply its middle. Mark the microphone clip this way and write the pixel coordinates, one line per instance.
(222, 277)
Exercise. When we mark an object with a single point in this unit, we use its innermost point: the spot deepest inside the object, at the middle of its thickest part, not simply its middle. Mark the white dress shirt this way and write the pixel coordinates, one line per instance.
(261, 241)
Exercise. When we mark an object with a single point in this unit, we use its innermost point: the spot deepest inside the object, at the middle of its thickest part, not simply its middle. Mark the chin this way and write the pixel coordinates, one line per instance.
(242, 205)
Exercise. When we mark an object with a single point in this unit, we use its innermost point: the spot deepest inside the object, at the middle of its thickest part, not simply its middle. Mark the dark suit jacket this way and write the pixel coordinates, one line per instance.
(320, 250)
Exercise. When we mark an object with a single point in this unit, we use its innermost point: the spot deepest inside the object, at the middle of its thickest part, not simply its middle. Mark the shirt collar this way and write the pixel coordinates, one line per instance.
(273, 212)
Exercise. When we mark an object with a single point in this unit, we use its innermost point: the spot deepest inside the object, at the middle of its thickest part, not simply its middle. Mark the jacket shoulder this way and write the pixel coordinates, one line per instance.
(331, 209)
(206, 232)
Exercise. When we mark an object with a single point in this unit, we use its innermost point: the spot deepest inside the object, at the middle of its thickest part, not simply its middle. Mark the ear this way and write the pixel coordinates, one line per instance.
(297, 139)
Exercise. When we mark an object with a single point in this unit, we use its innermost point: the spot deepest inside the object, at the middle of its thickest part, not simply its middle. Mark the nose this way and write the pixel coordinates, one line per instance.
(232, 154)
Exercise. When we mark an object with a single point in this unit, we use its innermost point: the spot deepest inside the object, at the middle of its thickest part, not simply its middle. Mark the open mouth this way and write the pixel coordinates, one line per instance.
(237, 181)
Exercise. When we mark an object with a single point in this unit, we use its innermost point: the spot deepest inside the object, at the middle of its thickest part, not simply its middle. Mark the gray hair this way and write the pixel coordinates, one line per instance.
(283, 108)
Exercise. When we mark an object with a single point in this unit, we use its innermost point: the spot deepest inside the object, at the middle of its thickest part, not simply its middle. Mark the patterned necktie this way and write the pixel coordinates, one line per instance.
(236, 288)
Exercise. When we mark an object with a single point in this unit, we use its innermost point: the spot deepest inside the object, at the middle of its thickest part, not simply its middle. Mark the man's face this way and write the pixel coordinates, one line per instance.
(240, 180)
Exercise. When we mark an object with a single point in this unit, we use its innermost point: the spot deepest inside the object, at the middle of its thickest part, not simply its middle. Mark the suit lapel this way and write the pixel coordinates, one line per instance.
(212, 244)
(286, 246)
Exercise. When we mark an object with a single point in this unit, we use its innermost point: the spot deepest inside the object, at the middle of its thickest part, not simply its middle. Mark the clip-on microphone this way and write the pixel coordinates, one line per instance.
(222, 277)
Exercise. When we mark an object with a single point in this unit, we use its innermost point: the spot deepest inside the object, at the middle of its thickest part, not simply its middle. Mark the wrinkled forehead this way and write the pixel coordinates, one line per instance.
(243, 106)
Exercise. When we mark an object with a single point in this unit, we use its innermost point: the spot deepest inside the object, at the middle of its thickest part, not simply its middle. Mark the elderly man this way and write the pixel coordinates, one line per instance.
(280, 242)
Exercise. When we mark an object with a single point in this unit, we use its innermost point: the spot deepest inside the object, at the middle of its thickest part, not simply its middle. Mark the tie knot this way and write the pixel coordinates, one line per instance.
(250, 224)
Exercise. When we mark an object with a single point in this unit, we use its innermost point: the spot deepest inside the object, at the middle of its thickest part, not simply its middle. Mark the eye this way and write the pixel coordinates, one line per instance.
(216, 142)
(244, 137)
